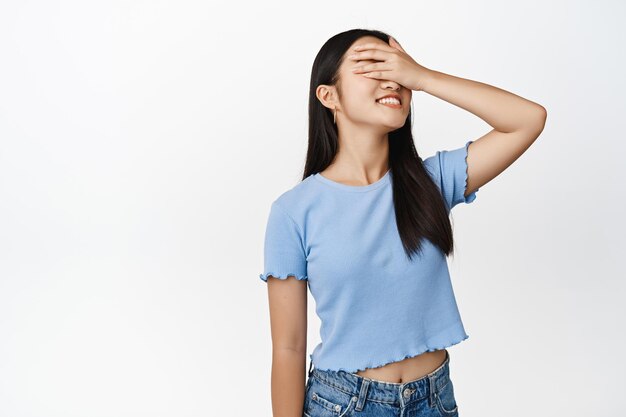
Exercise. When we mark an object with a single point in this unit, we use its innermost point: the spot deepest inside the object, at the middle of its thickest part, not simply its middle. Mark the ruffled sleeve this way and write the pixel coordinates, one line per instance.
(448, 170)
(284, 253)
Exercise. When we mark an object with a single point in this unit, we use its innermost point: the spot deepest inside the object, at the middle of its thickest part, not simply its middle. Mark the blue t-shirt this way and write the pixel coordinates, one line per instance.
(375, 305)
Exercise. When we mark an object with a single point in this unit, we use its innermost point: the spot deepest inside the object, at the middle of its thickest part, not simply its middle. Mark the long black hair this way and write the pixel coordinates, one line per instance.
(419, 207)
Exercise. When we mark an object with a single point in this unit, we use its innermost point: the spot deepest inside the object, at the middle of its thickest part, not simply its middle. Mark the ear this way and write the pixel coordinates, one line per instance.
(326, 95)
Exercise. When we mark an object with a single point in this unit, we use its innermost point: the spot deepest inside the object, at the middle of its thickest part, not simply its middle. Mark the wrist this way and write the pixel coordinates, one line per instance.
(428, 76)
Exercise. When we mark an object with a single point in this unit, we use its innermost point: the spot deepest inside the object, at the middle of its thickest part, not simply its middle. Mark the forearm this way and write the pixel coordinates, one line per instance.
(288, 382)
(502, 110)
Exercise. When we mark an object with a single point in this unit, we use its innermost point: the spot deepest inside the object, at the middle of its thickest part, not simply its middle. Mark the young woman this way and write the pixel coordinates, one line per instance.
(368, 229)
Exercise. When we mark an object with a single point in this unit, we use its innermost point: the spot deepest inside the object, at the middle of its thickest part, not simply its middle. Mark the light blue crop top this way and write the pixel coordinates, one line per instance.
(375, 306)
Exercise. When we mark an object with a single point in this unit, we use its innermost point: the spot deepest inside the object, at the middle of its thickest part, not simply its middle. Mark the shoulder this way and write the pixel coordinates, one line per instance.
(448, 169)
(447, 162)
(298, 200)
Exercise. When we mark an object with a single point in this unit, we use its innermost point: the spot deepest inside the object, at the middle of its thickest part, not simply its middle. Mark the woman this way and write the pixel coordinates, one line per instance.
(368, 229)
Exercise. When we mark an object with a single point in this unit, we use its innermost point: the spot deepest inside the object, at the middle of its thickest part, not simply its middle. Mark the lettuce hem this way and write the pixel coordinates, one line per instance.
(265, 276)
(412, 353)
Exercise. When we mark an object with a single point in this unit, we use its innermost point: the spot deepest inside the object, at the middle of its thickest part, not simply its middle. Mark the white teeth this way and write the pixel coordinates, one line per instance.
(388, 100)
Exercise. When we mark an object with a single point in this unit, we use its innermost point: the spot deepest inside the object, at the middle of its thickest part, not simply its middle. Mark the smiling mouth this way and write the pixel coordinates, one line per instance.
(391, 105)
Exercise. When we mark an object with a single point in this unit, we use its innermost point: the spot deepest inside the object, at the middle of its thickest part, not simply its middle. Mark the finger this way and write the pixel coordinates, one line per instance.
(378, 66)
(373, 54)
(396, 44)
(372, 45)
(375, 74)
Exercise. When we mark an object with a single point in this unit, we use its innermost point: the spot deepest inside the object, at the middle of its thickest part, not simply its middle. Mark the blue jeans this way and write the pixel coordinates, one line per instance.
(343, 394)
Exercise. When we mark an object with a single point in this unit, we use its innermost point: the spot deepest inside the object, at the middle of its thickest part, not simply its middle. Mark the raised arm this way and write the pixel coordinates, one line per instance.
(516, 123)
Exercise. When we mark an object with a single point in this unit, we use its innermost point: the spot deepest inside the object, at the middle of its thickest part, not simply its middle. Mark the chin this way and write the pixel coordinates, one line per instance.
(394, 126)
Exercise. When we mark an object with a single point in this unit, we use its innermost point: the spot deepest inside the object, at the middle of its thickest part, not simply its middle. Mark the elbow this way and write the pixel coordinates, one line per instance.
(542, 114)
(290, 346)
(537, 122)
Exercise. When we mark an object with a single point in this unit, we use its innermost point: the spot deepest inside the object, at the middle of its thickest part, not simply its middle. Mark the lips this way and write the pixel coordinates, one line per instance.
(396, 96)
(391, 105)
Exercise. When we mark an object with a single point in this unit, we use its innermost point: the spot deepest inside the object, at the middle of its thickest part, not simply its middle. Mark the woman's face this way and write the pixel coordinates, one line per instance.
(359, 97)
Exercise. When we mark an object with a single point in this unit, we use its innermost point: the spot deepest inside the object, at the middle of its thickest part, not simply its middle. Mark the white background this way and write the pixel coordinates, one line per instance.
(142, 143)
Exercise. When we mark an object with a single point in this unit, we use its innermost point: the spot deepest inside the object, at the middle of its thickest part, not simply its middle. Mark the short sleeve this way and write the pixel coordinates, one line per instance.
(284, 253)
(449, 171)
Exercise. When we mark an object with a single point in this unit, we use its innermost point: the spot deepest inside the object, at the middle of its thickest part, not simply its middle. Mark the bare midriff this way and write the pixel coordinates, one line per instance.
(408, 369)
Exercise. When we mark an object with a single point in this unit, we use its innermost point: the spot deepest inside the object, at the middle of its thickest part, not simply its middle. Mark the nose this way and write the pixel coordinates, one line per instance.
(391, 84)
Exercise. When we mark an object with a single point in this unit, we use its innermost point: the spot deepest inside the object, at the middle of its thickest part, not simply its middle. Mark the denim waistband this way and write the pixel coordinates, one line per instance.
(393, 393)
